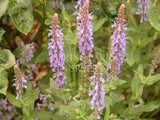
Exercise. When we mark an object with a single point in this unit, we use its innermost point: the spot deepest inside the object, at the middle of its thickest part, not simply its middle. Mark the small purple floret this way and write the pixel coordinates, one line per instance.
(143, 6)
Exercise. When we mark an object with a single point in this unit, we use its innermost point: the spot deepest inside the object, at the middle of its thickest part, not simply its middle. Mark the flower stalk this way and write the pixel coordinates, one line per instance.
(98, 93)
(20, 81)
(56, 53)
(85, 35)
(118, 42)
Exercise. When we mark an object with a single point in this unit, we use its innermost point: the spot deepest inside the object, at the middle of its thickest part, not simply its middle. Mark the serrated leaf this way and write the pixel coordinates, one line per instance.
(4, 5)
(20, 12)
(154, 17)
(7, 59)
(3, 82)
(12, 99)
(30, 98)
(98, 24)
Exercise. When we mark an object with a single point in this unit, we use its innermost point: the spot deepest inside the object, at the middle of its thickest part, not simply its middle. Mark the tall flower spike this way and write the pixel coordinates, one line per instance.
(85, 44)
(98, 93)
(119, 40)
(143, 6)
(20, 82)
(79, 5)
(25, 58)
(154, 63)
(56, 53)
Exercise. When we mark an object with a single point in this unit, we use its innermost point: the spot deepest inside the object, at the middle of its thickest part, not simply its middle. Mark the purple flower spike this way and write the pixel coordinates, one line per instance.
(28, 51)
(79, 5)
(57, 3)
(4, 103)
(98, 93)
(118, 40)
(56, 53)
(20, 81)
(143, 6)
(85, 35)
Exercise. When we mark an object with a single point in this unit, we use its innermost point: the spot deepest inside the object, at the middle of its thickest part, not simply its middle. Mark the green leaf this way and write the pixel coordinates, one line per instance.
(112, 85)
(29, 90)
(133, 54)
(69, 110)
(136, 85)
(43, 56)
(7, 59)
(137, 111)
(4, 5)
(138, 34)
(68, 39)
(152, 79)
(20, 12)
(98, 24)
(113, 98)
(43, 115)
(154, 17)
(101, 55)
(54, 91)
(48, 21)
(65, 15)
(12, 99)
(30, 98)
(3, 82)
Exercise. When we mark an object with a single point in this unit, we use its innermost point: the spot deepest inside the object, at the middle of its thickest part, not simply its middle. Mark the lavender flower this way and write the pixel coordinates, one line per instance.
(4, 103)
(56, 53)
(119, 40)
(20, 82)
(39, 106)
(28, 51)
(57, 3)
(79, 5)
(143, 6)
(85, 35)
(98, 93)
(51, 106)
(24, 58)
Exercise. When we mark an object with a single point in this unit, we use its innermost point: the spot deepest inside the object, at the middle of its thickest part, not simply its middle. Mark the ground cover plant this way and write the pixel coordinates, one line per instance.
(79, 59)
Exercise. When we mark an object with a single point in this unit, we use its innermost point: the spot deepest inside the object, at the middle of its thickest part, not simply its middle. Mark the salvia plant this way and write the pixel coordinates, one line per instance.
(79, 59)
